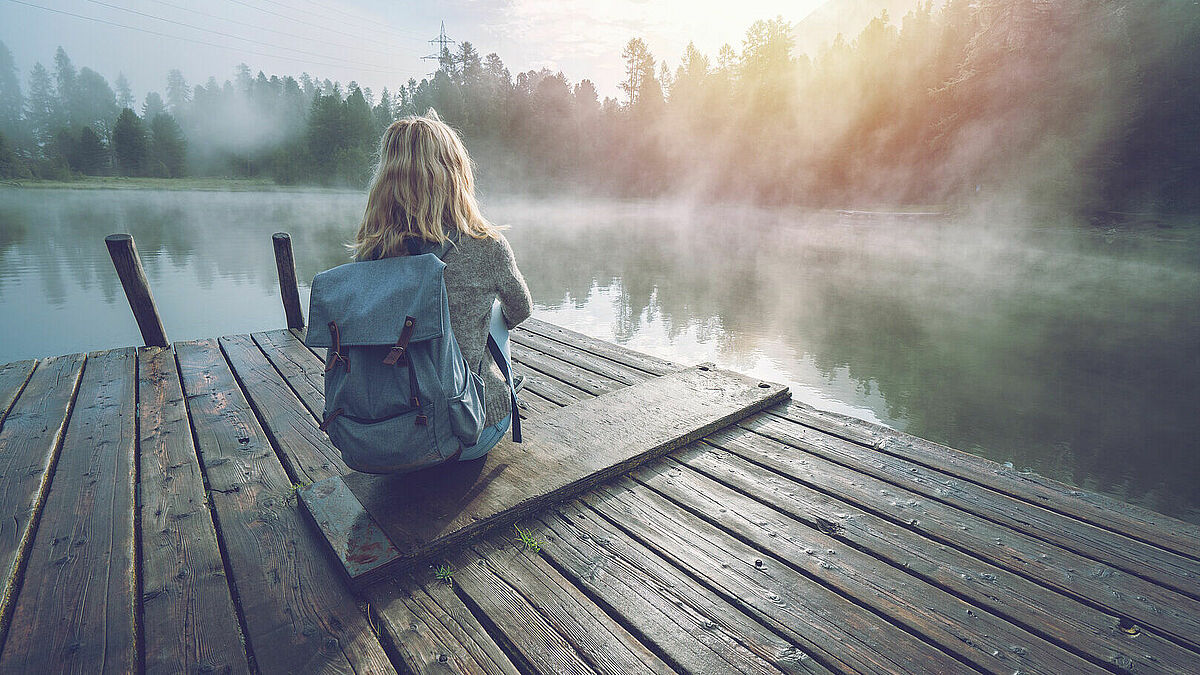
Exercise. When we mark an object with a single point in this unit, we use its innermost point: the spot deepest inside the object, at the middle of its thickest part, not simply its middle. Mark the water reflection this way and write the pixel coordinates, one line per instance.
(1072, 352)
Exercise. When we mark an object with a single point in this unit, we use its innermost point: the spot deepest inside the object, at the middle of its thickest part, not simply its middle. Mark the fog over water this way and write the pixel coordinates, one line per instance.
(1067, 349)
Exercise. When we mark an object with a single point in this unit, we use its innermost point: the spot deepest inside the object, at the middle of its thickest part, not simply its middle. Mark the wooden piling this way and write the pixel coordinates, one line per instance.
(137, 289)
(288, 290)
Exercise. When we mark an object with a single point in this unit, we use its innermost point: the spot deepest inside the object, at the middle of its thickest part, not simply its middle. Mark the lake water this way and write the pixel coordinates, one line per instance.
(1066, 350)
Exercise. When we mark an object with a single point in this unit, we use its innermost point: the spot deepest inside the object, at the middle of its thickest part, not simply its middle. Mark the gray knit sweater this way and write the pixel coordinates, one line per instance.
(477, 272)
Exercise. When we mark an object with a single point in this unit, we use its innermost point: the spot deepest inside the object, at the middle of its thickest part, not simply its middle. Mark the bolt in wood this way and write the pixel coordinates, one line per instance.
(288, 290)
(137, 289)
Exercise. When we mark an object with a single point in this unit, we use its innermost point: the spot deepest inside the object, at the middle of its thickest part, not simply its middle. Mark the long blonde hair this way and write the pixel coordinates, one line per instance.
(423, 187)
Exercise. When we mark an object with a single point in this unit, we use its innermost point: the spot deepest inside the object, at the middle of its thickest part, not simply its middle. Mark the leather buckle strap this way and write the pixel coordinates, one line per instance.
(397, 353)
(325, 422)
(335, 353)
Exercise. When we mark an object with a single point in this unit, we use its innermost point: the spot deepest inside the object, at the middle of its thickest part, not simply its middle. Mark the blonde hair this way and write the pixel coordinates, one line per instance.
(423, 187)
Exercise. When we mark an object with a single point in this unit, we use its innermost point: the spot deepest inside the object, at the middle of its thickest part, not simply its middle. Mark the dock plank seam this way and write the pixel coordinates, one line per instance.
(15, 574)
(1163, 568)
(1145, 611)
(1056, 496)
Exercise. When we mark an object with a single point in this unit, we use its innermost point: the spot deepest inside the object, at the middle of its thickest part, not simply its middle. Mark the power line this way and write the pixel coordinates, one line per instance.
(356, 36)
(273, 30)
(199, 42)
(220, 33)
(362, 20)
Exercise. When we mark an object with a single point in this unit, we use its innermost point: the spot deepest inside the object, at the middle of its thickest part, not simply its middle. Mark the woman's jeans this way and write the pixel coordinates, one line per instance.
(492, 435)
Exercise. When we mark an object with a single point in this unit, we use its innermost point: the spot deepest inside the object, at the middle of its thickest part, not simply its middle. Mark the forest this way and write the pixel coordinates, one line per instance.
(1080, 105)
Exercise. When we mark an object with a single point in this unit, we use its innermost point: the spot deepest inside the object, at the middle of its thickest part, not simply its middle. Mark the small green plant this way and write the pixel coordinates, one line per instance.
(526, 539)
(296, 487)
(444, 573)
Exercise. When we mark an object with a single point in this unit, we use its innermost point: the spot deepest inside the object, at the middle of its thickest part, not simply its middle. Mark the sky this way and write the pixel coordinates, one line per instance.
(377, 43)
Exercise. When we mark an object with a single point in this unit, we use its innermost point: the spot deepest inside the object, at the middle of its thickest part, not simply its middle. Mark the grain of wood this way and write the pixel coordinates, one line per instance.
(13, 377)
(1145, 603)
(299, 614)
(29, 443)
(547, 387)
(1127, 519)
(955, 626)
(601, 641)
(76, 607)
(824, 623)
(526, 632)
(563, 371)
(689, 623)
(308, 454)
(301, 368)
(1063, 620)
(607, 350)
(188, 617)
(1168, 569)
(597, 364)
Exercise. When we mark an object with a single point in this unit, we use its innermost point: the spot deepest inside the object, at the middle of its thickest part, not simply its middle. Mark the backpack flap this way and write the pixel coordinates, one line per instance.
(369, 301)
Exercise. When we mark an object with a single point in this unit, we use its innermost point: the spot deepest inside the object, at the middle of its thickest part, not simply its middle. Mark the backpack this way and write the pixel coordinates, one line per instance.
(399, 396)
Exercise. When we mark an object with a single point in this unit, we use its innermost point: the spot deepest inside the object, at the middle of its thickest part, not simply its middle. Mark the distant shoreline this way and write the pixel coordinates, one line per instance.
(181, 184)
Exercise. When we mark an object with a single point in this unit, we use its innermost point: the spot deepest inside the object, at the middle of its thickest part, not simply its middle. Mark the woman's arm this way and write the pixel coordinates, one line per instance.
(510, 286)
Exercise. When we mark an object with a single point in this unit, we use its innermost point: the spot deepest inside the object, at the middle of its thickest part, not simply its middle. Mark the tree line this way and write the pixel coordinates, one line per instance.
(1078, 103)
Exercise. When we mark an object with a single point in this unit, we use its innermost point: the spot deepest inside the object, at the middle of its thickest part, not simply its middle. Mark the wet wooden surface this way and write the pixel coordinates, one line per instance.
(152, 525)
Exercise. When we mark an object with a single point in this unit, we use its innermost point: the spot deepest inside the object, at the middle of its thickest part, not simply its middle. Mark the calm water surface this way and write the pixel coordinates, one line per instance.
(1073, 352)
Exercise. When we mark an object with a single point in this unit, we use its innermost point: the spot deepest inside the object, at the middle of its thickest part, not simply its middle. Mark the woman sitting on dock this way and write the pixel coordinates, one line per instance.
(423, 193)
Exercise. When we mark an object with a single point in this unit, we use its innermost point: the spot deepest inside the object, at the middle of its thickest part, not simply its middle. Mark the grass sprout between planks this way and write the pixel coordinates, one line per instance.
(525, 538)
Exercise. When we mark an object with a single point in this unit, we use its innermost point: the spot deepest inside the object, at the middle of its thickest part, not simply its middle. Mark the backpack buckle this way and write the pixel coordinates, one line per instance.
(396, 355)
(421, 420)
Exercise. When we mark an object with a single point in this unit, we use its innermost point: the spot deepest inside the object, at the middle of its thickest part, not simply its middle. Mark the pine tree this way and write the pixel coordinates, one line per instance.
(168, 147)
(42, 105)
(124, 92)
(91, 157)
(130, 145)
(11, 99)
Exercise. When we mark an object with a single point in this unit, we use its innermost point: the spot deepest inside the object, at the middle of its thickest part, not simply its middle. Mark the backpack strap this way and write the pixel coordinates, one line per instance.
(502, 362)
(335, 350)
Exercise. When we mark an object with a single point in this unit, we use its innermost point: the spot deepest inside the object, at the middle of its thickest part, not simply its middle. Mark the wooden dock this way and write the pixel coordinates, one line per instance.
(151, 524)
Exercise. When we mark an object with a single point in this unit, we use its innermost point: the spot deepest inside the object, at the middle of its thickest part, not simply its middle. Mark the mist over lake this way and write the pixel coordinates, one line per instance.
(1064, 348)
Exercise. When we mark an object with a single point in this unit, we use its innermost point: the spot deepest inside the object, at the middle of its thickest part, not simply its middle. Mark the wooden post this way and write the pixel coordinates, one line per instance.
(288, 291)
(137, 290)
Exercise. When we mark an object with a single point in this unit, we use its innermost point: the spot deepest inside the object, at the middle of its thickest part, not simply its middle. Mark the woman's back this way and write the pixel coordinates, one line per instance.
(478, 271)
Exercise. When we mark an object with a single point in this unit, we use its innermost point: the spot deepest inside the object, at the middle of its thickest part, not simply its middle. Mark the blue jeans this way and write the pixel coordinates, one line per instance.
(487, 440)
(492, 435)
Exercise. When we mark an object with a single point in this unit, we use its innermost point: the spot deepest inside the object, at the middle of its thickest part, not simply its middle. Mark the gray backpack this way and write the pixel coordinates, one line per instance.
(398, 394)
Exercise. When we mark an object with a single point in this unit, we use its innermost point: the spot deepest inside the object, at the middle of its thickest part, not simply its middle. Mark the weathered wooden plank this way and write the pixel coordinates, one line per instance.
(528, 636)
(1135, 557)
(1034, 607)
(577, 377)
(531, 404)
(623, 355)
(433, 630)
(305, 449)
(976, 636)
(601, 641)
(559, 393)
(564, 452)
(303, 371)
(13, 377)
(1124, 518)
(299, 615)
(29, 444)
(689, 623)
(599, 365)
(1145, 603)
(76, 607)
(188, 618)
(824, 624)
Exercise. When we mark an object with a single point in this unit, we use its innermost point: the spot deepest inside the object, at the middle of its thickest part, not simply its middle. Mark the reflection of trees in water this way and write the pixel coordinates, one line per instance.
(1054, 351)
(200, 235)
